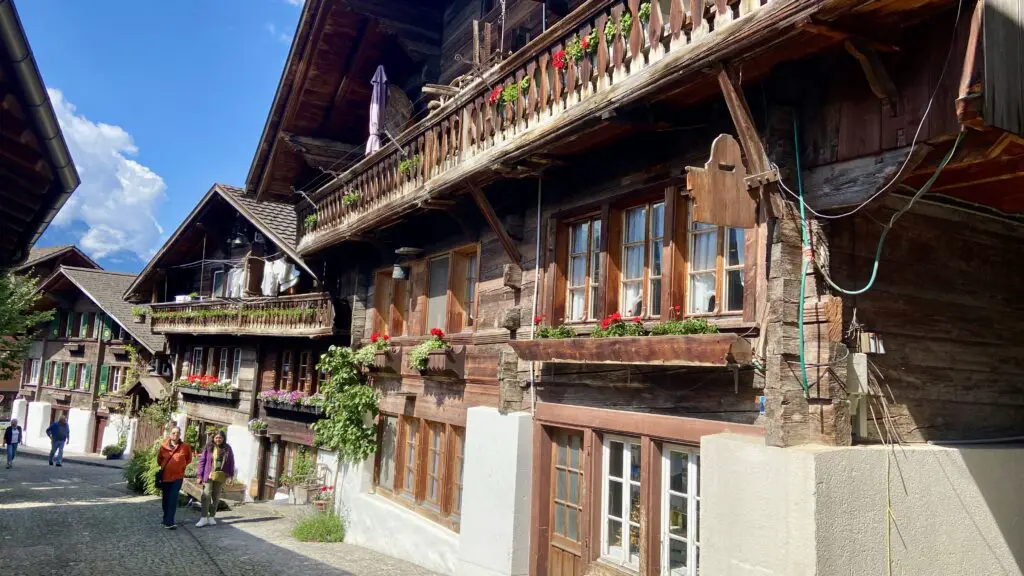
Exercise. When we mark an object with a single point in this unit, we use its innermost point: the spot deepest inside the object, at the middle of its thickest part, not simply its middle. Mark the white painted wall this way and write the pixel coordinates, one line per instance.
(19, 409)
(376, 523)
(82, 427)
(246, 449)
(821, 511)
(38, 421)
(494, 537)
(113, 429)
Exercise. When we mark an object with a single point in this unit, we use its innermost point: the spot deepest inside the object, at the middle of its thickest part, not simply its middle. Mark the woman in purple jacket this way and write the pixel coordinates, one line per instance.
(216, 467)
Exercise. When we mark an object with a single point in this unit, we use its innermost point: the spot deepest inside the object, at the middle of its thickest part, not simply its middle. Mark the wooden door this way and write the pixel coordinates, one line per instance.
(565, 556)
(273, 457)
(101, 426)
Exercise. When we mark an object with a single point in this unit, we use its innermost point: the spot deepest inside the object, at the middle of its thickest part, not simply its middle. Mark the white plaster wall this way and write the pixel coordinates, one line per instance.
(376, 523)
(179, 420)
(112, 431)
(246, 449)
(19, 409)
(958, 510)
(327, 466)
(818, 510)
(38, 421)
(494, 537)
(757, 508)
(82, 427)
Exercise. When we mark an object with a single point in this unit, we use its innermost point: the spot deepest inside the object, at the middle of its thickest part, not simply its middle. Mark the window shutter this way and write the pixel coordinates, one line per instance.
(55, 325)
(69, 327)
(612, 257)
(559, 273)
(83, 326)
(46, 371)
(108, 328)
(381, 299)
(57, 369)
(418, 298)
(87, 377)
(104, 376)
(72, 372)
(457, 304)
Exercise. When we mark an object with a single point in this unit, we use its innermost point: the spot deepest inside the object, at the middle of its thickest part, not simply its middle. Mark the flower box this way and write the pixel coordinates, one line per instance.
(690, 350)
(208, 393)
(385, 361)
(300, 408)
(446, 364)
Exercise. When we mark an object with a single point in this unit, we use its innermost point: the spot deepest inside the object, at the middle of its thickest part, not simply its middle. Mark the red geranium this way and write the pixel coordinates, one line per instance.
(611, 319)
(558, 60)
(495, 95)
(585, 43)
(437, 333)
(374, 337)
(538, 319)
(637, 319)
(386, 337)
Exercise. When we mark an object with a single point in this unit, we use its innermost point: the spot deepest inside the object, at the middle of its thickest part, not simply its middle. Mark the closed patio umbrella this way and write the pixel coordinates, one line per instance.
(378, 105)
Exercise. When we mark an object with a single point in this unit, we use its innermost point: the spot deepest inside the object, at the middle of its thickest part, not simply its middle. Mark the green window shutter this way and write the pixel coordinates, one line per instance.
(55, 325)
(57, 368)
(83, 327)
(46, 371)
(97, 325)
(87, 377)
(104, 376)
(70, 382)
(108, 328)
(70, 324)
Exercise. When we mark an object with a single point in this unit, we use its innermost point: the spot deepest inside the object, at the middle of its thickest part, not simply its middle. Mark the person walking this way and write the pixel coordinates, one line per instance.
(216, 467)
(12, 437)
(174, 456)
(59, 436)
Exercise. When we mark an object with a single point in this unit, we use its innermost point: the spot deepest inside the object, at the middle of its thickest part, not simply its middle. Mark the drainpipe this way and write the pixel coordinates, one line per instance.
(536, 289)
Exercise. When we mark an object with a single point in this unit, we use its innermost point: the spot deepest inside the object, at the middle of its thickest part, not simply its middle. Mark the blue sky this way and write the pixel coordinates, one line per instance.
(158, 100)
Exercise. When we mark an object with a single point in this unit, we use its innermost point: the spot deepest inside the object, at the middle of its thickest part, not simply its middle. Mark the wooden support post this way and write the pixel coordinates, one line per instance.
(878, 78)
(495, 223)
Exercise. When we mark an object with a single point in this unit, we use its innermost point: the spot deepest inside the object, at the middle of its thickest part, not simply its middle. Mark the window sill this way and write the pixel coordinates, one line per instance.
(424, 511)
(606, 567)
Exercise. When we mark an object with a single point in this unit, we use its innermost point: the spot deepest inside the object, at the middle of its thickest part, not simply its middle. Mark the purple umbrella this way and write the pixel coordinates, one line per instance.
(378, 105)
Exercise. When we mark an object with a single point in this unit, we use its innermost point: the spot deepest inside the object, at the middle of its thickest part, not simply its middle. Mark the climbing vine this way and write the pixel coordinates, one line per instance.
(349, 406)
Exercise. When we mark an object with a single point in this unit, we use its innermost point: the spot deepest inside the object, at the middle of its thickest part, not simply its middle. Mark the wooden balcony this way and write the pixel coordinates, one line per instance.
(546, 94)
(302, 315)
(694, 350)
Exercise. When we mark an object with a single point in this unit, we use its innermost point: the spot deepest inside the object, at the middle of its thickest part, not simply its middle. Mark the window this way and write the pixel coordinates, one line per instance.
(620, 513)
(237, 367)
(222, 371)
(567, 505)
(382, 299)
(470, 290)
(233, 289)
(680, 511)
(97, 325)
(218, 283)
(211, 355)
(285, 380)
(86, 382)
(584, 269)
(420, 465)
(34, 367)
(643, 228)
(437, 293)
(196, 366)
(386, 470)
(116, 374)
(89, 325)
(715, 250)
(411, 441)
(462, 304)
(305, 376)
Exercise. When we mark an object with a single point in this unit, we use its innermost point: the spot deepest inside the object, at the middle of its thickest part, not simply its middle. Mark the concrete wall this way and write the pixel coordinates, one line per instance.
(379, 524)
(247, 450)
(821, 511)
(82, 427)
(111, 434)
(38, 420)
(494, 538)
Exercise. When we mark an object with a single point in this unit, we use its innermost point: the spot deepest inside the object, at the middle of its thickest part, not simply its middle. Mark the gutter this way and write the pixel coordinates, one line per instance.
(39, 109)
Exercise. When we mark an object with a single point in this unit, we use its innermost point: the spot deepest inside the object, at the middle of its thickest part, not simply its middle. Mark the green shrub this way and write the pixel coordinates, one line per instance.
(140, 470)
(111, 449)
(320, 527)
(684, 327)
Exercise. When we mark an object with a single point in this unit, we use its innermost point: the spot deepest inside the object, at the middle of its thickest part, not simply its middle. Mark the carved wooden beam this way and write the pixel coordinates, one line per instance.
(495, 223)
(878, 78)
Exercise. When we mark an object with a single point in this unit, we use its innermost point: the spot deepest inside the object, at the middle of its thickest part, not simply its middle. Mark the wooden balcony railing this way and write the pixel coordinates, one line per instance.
(521, 101)
(301, 315)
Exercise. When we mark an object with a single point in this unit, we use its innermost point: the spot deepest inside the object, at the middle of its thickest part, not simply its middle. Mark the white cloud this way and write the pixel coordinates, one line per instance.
(296, 2)
(277, 34)
(118, 196)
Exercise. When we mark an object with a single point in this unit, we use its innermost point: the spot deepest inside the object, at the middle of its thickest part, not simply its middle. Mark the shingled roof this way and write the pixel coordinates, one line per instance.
(105, 289)
(37, 255)
(276, 220)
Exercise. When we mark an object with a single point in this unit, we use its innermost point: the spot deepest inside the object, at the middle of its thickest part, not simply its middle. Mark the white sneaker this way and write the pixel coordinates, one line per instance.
(202, 522)
(211, 521)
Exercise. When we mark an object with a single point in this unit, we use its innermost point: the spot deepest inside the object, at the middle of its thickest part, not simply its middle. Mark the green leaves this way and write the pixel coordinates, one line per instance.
(556, 332)
(418, 355)
(349, 406)
(17, 321)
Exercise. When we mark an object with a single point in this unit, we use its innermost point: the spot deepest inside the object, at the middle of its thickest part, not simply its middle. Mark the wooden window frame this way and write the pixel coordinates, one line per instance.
(213, 284)
(286, 373)
(35, 369)
(116, 373)
(692, 496)
(236, 366)
(223, 367)
(627, 483)
(649, 245)
(720, 270)
(379, 459)
(591, 259)
(304, 375)
(558, 540)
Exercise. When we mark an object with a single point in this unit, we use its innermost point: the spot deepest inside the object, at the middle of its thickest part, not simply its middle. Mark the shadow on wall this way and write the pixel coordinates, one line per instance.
(998, 474)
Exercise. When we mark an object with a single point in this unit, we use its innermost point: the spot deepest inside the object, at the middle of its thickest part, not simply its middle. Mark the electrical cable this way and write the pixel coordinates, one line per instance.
(806, 258)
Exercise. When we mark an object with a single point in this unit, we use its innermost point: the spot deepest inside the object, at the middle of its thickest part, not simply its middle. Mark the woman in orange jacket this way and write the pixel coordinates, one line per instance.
(173, 457)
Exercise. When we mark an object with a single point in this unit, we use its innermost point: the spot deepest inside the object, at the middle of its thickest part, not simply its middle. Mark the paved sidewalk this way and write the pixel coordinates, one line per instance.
(77, 458)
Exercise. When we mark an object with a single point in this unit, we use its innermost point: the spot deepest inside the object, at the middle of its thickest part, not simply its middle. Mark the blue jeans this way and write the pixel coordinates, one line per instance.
(57, 447)
(12, 451)
(170, 500)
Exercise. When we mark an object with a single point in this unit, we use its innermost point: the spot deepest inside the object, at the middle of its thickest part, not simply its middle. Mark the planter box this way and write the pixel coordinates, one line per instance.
(386, 361)
(692, 350)
(446, 364)
(303, 495)
(205, 393)
(314, 410)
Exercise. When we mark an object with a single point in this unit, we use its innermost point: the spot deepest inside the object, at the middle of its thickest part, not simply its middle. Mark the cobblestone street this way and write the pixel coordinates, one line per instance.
(80, 520)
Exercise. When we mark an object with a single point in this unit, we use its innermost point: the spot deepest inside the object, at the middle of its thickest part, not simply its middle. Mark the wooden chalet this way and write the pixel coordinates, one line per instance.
(238, 304)
(646, 160)
(37, 174)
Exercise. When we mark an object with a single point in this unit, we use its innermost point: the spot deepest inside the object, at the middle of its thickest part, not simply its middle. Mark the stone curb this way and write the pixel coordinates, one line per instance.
(68, 459)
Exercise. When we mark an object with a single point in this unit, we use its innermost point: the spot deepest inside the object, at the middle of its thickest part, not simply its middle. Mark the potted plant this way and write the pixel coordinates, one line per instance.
(350, 198)
(258, 427)
(419, 357)
(113, 451)
(374, 357)
(302, 481)
(310, 222)
(138, 314)
(323, 498)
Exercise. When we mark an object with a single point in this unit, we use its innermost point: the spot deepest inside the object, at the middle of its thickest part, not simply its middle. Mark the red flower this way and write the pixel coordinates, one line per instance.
(616, 317)
(437, 332)
(585, 43)
(374, 337)
(386, 337)
(677, 306)
(637, 319)
(495, 95)
(558, 60)
(538, 319)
